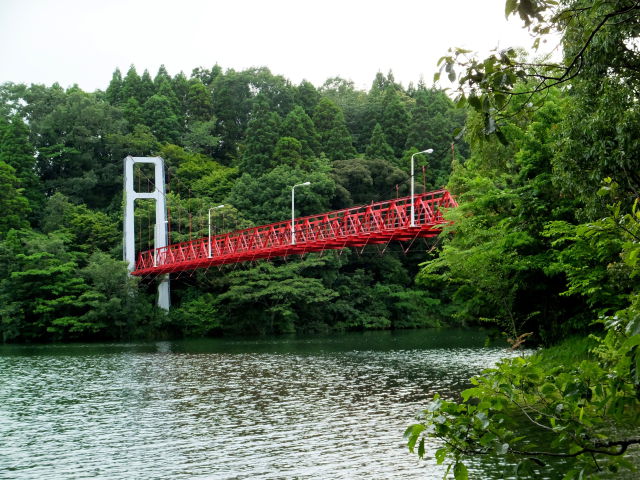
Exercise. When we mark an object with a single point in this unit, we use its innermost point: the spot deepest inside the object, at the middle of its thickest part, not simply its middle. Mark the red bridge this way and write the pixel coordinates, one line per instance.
(376, 223)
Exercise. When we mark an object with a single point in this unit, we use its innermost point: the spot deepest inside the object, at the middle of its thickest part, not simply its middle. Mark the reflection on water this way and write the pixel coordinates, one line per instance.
(294, 408)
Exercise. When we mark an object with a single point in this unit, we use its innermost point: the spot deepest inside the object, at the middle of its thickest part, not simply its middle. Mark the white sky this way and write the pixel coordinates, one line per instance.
(83, 41)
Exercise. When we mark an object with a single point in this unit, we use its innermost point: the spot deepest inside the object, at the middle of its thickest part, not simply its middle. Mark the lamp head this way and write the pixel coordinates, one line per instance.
(306, 183)
(428, 150)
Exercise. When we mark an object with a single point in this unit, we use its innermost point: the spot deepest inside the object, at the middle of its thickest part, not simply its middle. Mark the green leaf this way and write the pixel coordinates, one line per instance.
(475, 102)
(413, 433)
(471, 392)
(633, 327)
(548, 388)
(421, 448)
(460, 471)
(500, 100)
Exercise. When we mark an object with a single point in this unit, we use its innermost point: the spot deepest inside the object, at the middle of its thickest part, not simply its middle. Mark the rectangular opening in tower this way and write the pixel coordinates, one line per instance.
(144, 177)
(145, 222)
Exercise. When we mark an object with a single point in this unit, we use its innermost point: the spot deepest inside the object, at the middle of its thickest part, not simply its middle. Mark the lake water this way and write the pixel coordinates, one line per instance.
(284, 408)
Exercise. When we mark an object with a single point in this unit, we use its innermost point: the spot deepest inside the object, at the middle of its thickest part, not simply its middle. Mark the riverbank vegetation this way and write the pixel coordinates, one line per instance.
(547, 244)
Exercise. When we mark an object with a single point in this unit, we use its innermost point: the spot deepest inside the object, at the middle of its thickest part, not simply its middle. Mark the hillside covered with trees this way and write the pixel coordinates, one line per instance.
(240, 139)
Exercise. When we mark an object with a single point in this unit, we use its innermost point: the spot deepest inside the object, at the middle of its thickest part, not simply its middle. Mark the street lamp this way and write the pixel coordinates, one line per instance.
(413, 213)
(212, 208)
(293, 206)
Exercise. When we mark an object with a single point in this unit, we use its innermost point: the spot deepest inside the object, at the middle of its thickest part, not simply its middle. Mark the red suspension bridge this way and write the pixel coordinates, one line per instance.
(377, 223)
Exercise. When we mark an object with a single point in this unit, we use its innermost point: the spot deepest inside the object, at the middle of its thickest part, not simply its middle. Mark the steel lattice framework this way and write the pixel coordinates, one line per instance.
(376, 223)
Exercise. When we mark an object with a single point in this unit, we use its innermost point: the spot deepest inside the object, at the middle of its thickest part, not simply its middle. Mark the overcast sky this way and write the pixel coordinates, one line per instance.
(83, 41)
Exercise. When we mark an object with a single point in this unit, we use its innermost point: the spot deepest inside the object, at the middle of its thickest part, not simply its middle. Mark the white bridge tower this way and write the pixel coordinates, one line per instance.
(160, 232)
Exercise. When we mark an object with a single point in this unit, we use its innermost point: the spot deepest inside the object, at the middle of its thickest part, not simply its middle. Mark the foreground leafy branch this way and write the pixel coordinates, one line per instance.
(596, 33)
(585, 413)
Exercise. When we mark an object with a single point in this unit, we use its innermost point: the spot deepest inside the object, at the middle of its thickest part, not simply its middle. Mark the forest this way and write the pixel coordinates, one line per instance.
(238, 139)
(542, 156)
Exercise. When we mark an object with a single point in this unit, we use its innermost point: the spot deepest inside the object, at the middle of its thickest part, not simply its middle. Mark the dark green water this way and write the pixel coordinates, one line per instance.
(286, 408)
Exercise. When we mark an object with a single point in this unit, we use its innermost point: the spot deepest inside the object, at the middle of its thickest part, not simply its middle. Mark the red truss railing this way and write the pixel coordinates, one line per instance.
(376, 223)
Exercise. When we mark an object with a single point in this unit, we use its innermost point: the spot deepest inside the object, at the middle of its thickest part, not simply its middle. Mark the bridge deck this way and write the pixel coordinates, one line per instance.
(380, 222)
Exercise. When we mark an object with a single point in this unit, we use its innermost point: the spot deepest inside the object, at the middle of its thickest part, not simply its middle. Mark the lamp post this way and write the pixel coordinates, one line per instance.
(212, 208)
(293, 206)
(413, 212)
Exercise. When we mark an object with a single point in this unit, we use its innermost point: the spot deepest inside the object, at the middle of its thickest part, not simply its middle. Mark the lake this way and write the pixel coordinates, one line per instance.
(321, 407)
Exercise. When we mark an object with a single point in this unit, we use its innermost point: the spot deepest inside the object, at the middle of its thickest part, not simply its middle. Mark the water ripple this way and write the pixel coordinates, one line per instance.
(171, 412)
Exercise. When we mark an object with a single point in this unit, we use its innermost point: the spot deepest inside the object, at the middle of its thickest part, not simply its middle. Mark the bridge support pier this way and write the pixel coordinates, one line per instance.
(160, 233)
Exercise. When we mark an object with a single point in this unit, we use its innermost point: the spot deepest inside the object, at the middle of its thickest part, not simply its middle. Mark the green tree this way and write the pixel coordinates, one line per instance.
(166, 89)
(49, 293)
(162, 77)
(139, 143)
(434, 121)
(378, 147)
(133, 112)
(116, 308)
(73, 154)
(132, 86)
(147, 88)
(161, 118)
(272, 298)
(307, 97)
(231, 97)
(180, 86)
(383, 89)
(267, 198)
(263, 132)
(499, 255)
(362, 181)
(335, 139)
(198, 102)
(14, 205)
(394, 121)
(298, 124)
(288, 152)
(40, 295)
(197, 173)
(202, 137)
(274, 90)
(197, 315)
(114, 90)
(87, 230)
(17, 152)
(206, 76)
(354, 106)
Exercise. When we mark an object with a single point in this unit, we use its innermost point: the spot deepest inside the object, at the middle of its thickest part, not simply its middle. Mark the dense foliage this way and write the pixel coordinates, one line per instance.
(240, 139)
(547, 244)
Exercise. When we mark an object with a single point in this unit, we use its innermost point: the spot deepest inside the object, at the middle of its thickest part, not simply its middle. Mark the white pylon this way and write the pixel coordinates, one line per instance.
(160, 234)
